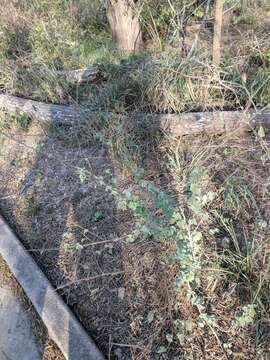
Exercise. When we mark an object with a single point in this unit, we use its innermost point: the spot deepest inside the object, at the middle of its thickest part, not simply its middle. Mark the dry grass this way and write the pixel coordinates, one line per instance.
(125, 292)
(160, 81)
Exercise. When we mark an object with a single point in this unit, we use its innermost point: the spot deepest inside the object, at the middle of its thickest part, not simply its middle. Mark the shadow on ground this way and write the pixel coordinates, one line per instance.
(73, 230)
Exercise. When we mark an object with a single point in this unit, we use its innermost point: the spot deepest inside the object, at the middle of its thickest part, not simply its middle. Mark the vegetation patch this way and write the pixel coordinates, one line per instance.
(159, 245)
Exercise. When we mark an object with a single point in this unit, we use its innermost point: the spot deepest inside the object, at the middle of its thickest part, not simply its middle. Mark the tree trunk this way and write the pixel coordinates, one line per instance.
(217, 32)
(123, 16)
(217, 122)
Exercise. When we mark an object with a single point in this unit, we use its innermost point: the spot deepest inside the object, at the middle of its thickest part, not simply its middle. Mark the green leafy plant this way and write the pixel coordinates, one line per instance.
(158, 216)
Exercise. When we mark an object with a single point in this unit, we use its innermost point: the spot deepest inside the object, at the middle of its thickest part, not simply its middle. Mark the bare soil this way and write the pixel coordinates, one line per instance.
(73, 231)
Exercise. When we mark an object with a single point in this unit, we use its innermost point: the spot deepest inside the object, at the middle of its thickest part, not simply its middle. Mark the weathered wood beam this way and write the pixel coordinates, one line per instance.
(216, 122)
(63, 328)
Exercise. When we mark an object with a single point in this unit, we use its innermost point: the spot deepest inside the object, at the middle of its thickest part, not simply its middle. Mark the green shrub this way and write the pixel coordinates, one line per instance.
(55, 43)
(15, 41)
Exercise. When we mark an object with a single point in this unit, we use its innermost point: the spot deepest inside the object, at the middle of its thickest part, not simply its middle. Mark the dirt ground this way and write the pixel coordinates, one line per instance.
(123, 294)
(73, 231)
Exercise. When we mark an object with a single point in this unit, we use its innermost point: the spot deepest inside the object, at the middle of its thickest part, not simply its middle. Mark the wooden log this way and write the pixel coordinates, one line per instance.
(80, 76)
(216, 122)
(46, 113)
(177, 124)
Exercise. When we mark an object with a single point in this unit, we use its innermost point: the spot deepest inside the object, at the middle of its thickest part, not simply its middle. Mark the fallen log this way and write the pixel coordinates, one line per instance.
(80, 76)
(216, 122)
(45, 113)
